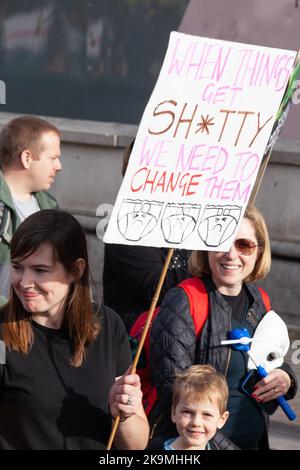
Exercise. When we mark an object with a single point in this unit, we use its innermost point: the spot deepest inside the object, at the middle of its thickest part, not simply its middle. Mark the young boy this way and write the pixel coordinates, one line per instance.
(200, 396)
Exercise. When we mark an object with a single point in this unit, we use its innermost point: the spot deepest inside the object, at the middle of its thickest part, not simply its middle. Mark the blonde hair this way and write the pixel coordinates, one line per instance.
(201, 382)
(199, 265)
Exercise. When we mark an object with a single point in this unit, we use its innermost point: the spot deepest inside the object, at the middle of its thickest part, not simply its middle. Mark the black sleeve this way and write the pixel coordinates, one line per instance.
(120, 338)
(221, 442)
(140, 267)
(294, 382)
(271, 406)
(124, 356)
(172, 342)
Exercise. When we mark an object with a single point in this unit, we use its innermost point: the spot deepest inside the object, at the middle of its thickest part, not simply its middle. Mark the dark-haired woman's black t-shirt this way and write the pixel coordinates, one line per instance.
(45, 403)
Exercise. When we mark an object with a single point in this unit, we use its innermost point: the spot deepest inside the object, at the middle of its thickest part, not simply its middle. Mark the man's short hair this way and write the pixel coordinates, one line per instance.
(23, 133)
(201, 382)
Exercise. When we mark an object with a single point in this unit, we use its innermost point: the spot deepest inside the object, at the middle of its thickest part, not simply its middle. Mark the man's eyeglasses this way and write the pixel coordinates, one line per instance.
(244, 246)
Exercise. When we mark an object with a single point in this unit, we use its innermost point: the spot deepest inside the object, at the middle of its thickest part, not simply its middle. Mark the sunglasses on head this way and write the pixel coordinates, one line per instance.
(244, 246)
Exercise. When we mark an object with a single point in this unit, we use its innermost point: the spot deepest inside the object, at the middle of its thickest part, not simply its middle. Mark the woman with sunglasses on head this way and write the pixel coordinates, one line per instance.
(234, 302)
(64, 365)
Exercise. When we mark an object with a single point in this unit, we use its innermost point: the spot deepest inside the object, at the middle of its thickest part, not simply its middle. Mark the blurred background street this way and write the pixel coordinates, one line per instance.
(285, 434)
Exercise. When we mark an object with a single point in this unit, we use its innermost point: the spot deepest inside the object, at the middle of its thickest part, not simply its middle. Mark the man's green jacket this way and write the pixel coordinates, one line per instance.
(9, 222)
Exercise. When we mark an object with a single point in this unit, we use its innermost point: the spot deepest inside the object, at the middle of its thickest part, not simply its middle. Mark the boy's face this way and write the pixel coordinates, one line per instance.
(43, 170)
(197, 422)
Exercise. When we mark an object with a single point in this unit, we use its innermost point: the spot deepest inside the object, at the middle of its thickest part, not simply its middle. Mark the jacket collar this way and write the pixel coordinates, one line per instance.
(5, 194)
(44, 199)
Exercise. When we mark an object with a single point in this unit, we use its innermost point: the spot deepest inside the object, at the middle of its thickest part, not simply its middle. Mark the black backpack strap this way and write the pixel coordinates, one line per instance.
(4, 223)
(2, 352)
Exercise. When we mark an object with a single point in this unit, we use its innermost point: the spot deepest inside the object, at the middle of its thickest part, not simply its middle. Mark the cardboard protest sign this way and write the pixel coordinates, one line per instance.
(200, 144)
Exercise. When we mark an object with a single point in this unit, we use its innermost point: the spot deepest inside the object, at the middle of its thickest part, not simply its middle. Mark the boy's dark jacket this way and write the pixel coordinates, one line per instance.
(218, 442)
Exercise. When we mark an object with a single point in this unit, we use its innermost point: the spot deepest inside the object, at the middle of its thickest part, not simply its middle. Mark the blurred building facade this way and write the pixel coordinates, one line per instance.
(84, 59)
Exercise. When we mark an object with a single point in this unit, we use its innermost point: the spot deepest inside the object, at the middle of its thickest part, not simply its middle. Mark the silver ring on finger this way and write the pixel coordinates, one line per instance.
(129, 400)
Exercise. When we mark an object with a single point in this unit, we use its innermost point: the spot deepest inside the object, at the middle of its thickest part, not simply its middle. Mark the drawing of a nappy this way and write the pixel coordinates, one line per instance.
(179, 221)
(218, 224)
(138, 218)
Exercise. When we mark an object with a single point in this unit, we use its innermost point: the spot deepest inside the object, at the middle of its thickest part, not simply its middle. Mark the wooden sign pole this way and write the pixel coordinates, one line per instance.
(287, 97)
(144, 334)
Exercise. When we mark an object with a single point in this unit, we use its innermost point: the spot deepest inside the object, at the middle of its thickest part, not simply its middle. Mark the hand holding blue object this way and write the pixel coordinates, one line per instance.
(240, 339)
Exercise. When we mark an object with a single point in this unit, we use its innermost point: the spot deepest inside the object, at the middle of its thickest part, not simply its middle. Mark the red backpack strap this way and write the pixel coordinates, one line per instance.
(266, 299)
(139, 324)
(198, 299)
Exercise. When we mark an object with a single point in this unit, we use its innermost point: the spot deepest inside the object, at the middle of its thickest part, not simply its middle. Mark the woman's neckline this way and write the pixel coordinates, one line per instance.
(48, 329)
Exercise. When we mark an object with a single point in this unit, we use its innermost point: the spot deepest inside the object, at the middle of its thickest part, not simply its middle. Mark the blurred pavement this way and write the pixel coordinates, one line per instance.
(285, 434)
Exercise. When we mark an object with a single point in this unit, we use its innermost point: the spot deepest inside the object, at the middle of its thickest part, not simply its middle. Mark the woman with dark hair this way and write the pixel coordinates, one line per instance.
(234, 302)
(65, 375)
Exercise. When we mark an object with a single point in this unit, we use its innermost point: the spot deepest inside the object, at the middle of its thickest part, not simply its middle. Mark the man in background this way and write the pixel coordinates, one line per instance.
(29, 161)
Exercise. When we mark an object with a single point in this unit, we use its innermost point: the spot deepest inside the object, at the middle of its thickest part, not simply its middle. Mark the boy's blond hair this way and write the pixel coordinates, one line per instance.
(201, 382)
